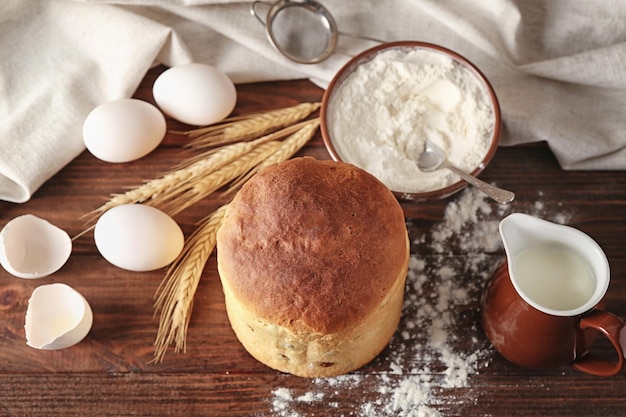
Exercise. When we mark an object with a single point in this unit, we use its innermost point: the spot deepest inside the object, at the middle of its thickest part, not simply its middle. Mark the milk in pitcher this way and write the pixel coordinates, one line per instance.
(554, 276)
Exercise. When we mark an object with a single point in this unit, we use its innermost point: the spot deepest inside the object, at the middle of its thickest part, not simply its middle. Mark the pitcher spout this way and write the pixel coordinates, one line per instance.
(520, 231)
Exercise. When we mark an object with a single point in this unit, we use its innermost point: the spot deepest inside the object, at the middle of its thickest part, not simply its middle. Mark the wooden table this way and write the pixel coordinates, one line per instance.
(110, 372)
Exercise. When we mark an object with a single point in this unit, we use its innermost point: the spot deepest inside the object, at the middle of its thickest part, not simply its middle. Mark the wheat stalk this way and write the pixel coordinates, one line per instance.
(197, 188)
(288, 148)
(174, 297)
(214, 126)
(250, 127)
(293, 143)
(236, 133)
(160, 189)
(277, 135)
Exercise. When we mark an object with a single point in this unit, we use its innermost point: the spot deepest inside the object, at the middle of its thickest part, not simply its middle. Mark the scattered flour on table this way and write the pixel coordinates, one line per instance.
(427, 371)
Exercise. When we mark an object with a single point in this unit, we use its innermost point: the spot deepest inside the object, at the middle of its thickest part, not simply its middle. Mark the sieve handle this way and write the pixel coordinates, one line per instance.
(367, 38)
(254, 12)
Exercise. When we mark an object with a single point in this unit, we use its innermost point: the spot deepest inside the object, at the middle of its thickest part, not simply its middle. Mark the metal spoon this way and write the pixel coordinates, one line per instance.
(434, 158)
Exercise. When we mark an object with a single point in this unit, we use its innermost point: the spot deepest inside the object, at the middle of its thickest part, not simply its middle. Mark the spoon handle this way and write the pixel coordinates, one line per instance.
(498, 194)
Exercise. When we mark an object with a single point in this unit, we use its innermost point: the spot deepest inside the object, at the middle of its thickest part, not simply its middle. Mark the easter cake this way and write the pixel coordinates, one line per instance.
(313, 259)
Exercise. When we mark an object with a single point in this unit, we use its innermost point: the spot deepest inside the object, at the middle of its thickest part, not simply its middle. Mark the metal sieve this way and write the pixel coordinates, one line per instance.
(302, 30)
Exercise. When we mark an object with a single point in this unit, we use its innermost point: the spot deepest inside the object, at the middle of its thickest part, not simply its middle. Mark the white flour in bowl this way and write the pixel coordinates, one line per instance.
(380, 115)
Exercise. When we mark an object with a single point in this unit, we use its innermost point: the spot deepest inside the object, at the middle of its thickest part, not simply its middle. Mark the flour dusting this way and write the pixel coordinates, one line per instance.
(431, 359)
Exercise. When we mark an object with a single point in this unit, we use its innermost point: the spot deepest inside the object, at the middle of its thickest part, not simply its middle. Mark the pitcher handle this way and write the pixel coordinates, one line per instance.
(614, 329)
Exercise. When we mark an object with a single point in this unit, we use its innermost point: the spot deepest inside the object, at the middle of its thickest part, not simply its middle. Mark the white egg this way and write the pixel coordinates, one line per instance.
(123, 130)
(57, 317)
(196, 94)
(136, 237)
(31, 247)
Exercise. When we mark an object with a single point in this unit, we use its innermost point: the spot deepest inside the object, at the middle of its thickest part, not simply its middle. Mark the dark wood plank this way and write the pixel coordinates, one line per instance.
(111, 373)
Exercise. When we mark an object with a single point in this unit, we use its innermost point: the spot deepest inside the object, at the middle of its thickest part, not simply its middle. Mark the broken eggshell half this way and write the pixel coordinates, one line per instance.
(31, 247)
(57, 317)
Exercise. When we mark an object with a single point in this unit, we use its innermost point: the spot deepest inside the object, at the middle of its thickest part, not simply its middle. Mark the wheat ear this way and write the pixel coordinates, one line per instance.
(199, 187)
(251, 127)
(214, 126)
(161, 188)
(277, 135)
(174, 297)
(288, 148)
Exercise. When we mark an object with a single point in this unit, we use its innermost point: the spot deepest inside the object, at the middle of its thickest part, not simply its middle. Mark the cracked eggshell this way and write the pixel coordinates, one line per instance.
(57, 317)
(31, 247)
(139, 238)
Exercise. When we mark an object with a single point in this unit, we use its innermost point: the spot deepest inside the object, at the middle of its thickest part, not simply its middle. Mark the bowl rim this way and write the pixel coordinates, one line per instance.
(368, 55)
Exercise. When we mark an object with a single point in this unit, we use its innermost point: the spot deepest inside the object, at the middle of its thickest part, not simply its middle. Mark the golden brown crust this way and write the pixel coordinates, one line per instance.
(312, 246)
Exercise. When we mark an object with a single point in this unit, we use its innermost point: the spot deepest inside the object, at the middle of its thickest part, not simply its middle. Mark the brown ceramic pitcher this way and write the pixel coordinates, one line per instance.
(542, 307)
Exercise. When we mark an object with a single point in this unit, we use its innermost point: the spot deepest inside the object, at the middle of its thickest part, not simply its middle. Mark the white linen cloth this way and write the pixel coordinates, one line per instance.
(558, 66)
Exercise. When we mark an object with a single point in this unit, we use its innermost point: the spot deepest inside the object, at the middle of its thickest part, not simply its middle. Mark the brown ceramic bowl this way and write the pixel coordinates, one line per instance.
(368, 55)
